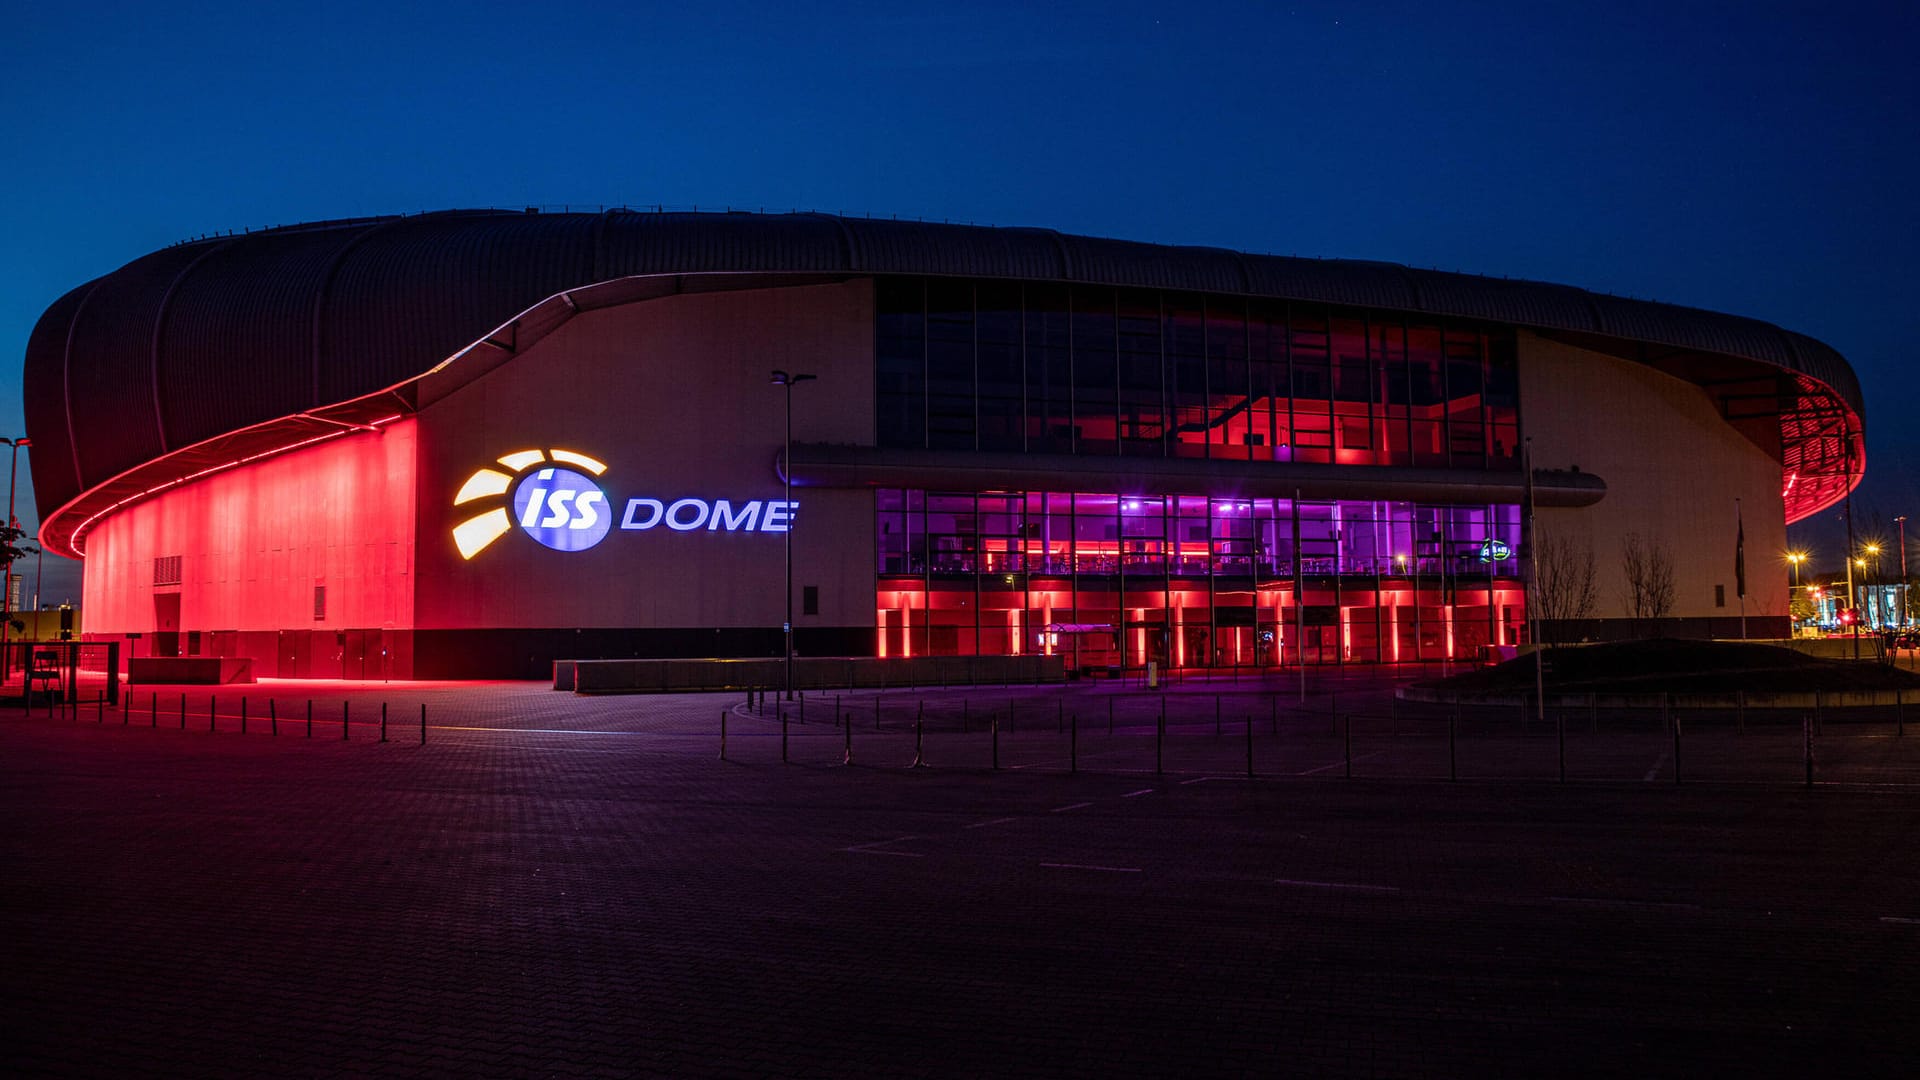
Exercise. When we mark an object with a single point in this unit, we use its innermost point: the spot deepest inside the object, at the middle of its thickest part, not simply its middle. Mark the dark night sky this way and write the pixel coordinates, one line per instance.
(1752, 158)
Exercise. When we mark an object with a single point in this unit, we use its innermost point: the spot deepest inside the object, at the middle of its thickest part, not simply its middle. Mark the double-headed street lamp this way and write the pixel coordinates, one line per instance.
(787, 380)
(1794, 559)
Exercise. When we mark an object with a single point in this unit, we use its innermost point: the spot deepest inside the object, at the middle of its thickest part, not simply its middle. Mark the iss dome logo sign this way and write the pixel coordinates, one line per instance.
(555, 497)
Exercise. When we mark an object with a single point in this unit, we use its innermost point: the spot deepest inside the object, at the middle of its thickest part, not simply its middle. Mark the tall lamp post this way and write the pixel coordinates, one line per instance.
(784, 379)
(6, 582)
(1794, 558)
(1906, 618)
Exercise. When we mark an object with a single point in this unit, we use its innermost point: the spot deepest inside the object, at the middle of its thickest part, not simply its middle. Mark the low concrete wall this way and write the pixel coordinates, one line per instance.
(190, 670)
(809, 673)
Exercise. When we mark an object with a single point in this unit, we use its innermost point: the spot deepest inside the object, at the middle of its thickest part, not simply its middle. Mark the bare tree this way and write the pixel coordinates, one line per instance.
(1568, 588)
(1649, 571)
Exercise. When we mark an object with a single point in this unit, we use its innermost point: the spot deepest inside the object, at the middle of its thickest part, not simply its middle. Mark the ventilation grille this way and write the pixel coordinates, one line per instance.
(166, 570)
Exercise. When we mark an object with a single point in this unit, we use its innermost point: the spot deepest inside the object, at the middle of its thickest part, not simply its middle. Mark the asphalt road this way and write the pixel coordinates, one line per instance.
(562, 887)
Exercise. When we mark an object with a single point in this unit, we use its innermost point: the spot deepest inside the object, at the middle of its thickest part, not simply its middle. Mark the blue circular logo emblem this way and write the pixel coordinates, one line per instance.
(563, 509)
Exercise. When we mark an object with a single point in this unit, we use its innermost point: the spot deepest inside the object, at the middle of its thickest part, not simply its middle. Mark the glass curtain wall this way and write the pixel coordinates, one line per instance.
(1114, 581)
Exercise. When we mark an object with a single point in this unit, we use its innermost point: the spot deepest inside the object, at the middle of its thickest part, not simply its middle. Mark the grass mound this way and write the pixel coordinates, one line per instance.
(1696, 667)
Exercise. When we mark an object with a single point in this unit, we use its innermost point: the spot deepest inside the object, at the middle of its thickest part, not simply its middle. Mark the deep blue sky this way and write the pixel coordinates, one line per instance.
(1745, 157)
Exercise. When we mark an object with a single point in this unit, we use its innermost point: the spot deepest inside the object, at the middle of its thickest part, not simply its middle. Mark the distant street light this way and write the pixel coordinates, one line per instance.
(6, 581)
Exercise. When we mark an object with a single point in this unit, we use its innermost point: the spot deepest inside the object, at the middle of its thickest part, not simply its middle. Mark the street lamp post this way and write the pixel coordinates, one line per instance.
(784, 379)
(6, 581)
(1906, 617)
(1794, 559)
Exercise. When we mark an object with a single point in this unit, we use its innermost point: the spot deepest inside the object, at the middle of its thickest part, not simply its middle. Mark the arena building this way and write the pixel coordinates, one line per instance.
(465, 444)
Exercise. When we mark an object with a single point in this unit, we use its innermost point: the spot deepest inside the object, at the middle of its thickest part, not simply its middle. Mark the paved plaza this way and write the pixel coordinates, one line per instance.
(560, 886)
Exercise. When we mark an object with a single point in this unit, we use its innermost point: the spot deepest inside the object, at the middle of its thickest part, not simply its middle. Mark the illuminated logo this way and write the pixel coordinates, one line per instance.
(1495, 551)
(556, 499)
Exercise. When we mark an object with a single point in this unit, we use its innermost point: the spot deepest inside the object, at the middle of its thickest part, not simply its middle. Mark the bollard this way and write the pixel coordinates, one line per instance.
(919, 756)
(847, 733)
(993, 721)
(1453, 742)
(1666, 706)
(273, 716)
(153, 718)
(803, 706)
(126, 707)
(1216, 716)
(723, 734)
(1740, 714)
(1900, 713)
(1073, 745)
(309, 718)
(212, 704)
(1676, 749)
(1160, 739)
(183, 712)
(100, 709)
(346, 709)
(1806, 738)
(243, 716)
(383, 721)
(1249, 746)
(1349, 743)
(423, 723)
(781, 709)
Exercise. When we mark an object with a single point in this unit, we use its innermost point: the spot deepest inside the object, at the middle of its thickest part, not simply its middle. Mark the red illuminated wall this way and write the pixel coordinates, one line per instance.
(255, 541)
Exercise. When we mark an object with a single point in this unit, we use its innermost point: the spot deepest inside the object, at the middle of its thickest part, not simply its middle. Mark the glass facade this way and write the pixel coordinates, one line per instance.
(1114, 580)
(1007, 366)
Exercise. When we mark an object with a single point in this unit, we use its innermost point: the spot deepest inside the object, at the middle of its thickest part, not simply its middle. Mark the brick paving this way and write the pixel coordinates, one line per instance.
(556, 886)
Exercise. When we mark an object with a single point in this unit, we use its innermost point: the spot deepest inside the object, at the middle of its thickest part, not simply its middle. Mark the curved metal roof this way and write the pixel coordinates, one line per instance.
(185, 348)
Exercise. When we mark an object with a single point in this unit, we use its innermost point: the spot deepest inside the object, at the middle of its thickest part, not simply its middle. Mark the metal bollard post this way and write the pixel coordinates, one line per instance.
(383, 721)
(153, 718)
(346, 710)
(847, 733)
(183, 712)
(243, 716)
(993, 721)
(273, 716)
(1900, 713)
(1073, 745)
(1160, 739)
(309, 718)
(723, 734)
(423, 723)
(919, 754)
(100, 711)
(213, 704)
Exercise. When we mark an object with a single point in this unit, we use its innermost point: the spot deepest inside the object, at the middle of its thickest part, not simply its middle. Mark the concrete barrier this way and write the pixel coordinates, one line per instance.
(190, 670)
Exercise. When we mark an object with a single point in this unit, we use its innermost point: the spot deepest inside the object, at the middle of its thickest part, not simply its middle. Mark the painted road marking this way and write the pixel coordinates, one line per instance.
(1064, 809)
(1335, 885)
(1602, 901)
(1898, 919)
(995, 821)
(872, 848)
(1084, 866)
(1658, 764)
(1142, 791)
(1338, 764)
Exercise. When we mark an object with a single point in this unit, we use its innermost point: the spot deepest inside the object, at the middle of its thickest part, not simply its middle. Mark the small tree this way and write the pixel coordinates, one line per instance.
(1649, 572)
(1568, 586)
(11, 552)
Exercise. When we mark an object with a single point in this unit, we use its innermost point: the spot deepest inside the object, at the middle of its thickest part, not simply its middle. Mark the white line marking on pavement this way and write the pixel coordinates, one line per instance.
(1083, 866)
(1898, 919)
(1335, 885)
(1064, 809)
(1658, 764)
(1602, 901)
(1134, 794)
(995, 821)
(1338, 764)
(870, 849)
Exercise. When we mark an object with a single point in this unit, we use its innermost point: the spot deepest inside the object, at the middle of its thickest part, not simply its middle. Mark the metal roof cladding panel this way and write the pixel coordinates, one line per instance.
(1501, 300)
(411, 293)
(237, 331)
(912, 247)
(116, 378)
(1821, 361)
(1123, 262)
(634, 243)
(1691, 328)
(43, 398)
(1334, 281)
